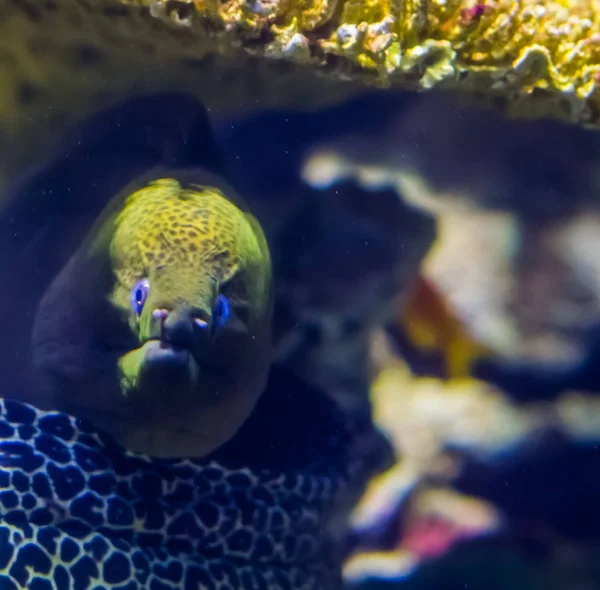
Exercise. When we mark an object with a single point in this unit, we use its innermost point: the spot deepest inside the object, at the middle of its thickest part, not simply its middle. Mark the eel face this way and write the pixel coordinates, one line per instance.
(157, 330)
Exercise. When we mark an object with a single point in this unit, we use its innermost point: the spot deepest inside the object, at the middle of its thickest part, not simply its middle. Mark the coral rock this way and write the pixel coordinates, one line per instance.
(497, 46)
(61, 58)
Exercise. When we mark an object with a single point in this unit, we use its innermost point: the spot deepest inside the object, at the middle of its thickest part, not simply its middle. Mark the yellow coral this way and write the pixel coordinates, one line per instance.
(515, 48)
(524, 44)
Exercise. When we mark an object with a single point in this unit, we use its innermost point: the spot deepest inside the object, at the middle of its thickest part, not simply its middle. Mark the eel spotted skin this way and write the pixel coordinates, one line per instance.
(77, 511)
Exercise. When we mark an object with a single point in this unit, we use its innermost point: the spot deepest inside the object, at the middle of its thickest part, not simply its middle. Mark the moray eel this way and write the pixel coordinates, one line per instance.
(163, 319)
(157, 329)
(146, 323)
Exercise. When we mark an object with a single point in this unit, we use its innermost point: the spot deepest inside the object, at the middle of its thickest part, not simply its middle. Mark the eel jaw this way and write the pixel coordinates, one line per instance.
(156, 365)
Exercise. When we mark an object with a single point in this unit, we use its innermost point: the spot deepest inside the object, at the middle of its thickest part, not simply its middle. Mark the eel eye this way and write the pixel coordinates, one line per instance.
(139, 294)
(221, 312)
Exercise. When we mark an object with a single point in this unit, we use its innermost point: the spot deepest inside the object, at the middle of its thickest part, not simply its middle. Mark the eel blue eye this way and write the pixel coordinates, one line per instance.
(139, 294)
(221, 312)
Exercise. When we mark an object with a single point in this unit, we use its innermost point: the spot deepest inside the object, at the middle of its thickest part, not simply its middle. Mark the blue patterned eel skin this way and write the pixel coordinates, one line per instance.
(77, 511)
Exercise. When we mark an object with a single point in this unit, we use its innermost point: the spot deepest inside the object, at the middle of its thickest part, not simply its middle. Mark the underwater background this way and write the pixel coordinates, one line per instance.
(487, 382)
(432, 418)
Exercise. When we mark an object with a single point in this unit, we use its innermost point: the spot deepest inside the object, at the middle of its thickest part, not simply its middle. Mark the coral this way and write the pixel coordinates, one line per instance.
(521, 47)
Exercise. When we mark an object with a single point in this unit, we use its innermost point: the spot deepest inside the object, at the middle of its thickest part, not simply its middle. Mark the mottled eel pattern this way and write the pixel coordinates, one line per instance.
(77, 511)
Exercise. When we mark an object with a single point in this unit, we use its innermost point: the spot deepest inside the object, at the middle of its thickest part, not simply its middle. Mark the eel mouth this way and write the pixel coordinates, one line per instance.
(165, 352)
(172, 356)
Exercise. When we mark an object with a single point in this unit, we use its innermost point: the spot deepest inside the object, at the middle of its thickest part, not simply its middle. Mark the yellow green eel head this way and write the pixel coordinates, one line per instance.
(158, 329)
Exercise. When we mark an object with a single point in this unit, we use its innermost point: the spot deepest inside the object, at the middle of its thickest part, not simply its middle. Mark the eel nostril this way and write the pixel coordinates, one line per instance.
(160, 314)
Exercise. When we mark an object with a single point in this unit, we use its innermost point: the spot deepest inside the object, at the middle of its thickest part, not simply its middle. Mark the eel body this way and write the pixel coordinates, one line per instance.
(77, 511)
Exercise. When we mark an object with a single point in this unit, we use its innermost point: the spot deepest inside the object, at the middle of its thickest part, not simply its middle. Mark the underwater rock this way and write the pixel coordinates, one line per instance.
(62, 61)
(501, 47)
(61, 58)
